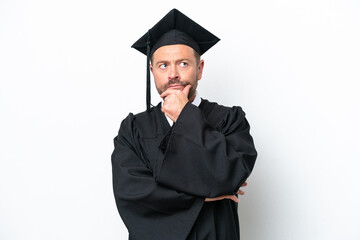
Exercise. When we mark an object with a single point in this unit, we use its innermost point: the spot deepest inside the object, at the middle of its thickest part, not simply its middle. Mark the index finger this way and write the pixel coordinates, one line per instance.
(168, 92)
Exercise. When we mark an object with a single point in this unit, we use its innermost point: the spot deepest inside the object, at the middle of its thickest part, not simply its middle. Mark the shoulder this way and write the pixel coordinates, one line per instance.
(142, 122)
(143, 116)
(218, 113)
(209, 106)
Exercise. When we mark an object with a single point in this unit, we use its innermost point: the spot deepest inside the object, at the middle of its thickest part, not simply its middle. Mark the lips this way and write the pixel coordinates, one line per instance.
(175, 86)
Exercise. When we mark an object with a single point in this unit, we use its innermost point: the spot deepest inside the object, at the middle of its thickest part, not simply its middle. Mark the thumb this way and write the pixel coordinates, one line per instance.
(186, 90)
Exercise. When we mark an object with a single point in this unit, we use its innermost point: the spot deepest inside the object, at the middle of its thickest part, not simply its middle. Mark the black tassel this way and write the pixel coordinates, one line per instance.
(148, 96)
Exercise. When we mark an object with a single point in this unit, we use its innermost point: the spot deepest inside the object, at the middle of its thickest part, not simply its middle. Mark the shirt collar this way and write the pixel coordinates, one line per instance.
(197, 99)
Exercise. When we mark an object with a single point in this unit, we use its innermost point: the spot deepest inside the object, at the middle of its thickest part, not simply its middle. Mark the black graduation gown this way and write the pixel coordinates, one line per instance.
(162, 174)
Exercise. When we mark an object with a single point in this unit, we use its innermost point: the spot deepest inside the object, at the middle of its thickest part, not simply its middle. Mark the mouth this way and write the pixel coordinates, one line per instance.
(176, 86)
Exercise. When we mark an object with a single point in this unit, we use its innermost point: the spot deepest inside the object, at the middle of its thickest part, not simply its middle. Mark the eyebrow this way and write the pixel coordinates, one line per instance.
(178, 60)
(184, 59)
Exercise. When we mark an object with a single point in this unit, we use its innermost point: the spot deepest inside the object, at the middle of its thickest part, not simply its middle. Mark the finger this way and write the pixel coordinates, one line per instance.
(234, 198)
(231, 197)
(240, 192)
(244, 184)
(164, 94)
(168, 92)
(212, 199)
(186, 90)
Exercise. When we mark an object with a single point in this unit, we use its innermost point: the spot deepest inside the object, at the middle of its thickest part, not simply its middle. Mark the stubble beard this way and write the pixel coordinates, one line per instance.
(182, 83)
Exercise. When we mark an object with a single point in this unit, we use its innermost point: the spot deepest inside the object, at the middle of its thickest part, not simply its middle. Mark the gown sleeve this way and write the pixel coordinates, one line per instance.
(148, 209)
(207, 161)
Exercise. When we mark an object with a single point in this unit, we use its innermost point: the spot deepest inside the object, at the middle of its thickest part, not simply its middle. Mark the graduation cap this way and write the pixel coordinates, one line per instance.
(173, 28)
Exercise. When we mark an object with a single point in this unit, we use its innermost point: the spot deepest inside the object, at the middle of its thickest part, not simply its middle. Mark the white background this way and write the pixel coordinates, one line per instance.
(68, 77)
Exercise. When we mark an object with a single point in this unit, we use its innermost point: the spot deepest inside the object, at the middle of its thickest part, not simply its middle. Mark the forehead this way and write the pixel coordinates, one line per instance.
(177, 51)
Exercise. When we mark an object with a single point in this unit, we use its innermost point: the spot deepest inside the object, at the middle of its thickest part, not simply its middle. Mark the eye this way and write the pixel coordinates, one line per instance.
(183, 64)
(162, 66)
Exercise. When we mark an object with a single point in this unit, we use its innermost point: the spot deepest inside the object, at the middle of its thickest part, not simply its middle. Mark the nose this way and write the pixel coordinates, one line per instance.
(173, 72)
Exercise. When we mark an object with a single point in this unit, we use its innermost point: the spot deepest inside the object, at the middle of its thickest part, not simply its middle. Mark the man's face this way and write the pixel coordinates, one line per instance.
(174, 67)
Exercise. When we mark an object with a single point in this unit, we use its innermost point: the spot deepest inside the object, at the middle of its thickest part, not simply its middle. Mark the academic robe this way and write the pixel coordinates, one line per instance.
(162, 174)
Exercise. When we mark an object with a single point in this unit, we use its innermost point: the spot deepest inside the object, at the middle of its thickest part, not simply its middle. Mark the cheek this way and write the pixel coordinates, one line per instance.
(159, 79)
(192, 76)
(161, 73)
(188, 73)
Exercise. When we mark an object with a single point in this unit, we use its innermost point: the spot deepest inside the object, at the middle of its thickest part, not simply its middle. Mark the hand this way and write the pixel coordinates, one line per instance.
(174, 101)
(242, 192)
(231, 197)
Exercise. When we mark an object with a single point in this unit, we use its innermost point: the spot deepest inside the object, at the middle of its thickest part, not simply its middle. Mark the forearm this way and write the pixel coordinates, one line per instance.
(200, 160)
(133, 181)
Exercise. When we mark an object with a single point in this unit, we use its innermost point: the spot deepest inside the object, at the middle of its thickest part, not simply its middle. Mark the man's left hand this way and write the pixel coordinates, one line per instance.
(174, 102)
(231, 197)
(240, 192)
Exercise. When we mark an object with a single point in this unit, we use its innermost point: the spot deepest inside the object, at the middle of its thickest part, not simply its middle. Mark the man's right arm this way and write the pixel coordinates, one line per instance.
(148, 209)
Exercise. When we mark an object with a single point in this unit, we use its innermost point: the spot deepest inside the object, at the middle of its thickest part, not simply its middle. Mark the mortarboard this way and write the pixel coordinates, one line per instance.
(173, 28)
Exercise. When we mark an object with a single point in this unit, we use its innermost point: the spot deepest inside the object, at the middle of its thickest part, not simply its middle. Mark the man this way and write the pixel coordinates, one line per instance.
(178, 166)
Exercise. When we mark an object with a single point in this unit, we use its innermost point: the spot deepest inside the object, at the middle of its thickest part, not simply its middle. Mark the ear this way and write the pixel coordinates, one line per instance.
(200, 69)
(151, 68)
